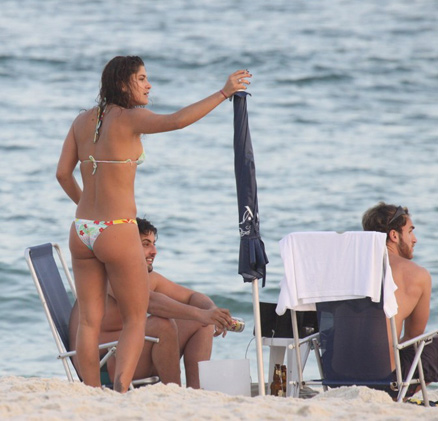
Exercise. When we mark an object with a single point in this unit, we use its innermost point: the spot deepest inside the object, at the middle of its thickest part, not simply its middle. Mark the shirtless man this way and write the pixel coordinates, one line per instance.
(184, 320)
(413, 281)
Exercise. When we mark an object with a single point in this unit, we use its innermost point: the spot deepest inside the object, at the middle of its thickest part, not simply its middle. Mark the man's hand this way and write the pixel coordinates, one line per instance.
(220, 331)
(219, 317)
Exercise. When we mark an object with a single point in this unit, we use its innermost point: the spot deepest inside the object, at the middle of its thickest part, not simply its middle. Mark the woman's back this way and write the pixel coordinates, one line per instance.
(107, 166)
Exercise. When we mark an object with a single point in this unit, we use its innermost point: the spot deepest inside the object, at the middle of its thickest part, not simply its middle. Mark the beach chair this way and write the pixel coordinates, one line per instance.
(58, 305)
(353, 344)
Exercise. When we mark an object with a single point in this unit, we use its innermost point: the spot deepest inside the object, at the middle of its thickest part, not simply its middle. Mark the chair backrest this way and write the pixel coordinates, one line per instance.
(58, 306)
(50, 287)
(354, 342)
(332, 273)
(275, 326)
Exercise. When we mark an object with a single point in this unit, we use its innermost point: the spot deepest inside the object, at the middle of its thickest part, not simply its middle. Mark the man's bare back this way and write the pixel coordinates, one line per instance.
(413, 281)
(413, 296)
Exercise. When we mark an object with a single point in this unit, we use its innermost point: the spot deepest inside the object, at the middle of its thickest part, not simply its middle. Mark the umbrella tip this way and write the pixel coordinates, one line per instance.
(242, 93)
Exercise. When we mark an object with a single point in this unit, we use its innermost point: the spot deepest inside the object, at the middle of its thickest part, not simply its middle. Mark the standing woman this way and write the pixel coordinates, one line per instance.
(104, 240)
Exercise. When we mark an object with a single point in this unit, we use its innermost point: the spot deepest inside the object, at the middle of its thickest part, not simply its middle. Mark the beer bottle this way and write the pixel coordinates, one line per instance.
(284, 379)
(277, 384)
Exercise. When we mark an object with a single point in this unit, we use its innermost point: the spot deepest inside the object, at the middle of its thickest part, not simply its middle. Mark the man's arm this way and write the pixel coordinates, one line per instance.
(171, 289)
(172, 301)
(415, 323)
(197, 306)
(200, 300)
(164, 306)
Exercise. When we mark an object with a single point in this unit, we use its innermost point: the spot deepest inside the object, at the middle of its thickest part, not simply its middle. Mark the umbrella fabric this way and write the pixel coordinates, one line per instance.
(252, 256)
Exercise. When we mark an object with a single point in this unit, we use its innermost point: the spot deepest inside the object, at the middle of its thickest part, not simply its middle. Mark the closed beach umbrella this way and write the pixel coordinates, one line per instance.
(252, 256)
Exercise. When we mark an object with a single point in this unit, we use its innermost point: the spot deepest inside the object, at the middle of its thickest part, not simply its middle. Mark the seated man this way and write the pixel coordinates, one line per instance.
(413, 282)
(184, 320)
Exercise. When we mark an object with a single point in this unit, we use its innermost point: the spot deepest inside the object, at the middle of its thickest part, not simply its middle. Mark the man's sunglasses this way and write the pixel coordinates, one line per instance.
(400, 211)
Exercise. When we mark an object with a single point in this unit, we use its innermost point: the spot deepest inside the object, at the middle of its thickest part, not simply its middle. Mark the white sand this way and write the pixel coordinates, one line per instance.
(55, 399)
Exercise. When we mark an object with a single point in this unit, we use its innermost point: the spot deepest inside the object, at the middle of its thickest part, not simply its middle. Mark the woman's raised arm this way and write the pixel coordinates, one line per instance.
(146, 121)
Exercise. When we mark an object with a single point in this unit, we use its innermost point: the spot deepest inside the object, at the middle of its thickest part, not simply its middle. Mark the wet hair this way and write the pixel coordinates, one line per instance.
(384, 218)
(115, 85)
(145, 227)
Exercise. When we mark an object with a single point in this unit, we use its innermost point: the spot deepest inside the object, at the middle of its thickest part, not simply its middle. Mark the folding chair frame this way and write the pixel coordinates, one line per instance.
(63, 354)
(400, 384)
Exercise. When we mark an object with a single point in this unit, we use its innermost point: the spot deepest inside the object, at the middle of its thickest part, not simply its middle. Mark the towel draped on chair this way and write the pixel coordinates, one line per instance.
(345, 266)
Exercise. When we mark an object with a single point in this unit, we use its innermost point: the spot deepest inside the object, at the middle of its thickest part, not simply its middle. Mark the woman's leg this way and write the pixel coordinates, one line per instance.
(90, 281)
(119, 248)
(196, 344)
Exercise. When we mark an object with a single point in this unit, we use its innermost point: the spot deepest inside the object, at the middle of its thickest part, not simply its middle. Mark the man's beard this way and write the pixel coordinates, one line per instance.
(403, 250)
(150, 268)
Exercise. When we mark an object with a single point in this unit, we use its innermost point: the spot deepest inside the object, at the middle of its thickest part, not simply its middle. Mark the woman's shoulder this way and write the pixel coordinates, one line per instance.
(122, 117)
(86, 115)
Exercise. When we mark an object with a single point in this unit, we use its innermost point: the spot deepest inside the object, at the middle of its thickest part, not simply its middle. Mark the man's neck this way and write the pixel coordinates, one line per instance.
(394, 253)
(392, 249)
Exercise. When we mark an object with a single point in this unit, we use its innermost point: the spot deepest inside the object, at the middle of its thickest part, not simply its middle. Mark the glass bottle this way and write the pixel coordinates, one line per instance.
(277, 384)
(284, 379)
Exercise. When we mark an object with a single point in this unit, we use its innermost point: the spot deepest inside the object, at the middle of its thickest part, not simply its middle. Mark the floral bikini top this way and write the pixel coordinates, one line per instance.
(139, 160)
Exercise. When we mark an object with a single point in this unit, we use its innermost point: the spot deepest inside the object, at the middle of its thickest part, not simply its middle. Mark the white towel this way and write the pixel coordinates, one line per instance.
(327, 266)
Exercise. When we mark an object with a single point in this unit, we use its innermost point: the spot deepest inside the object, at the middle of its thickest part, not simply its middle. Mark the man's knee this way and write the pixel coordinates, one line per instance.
(168, 328)
(207, 331)
(210, 329)
(165, 329)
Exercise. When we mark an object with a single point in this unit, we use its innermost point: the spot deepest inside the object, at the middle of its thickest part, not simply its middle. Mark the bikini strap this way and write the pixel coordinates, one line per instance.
(91, 158)
(94, 161)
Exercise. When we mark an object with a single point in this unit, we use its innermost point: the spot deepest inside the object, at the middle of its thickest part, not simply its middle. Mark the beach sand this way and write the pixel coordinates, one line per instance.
(56, 399)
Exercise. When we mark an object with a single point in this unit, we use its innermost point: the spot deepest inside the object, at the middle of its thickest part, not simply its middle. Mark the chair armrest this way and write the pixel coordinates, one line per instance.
(309, 338)
(106, 346)
(420, 338)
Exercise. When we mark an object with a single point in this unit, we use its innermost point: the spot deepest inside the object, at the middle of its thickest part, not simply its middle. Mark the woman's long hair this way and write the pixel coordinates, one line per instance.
(115, 85)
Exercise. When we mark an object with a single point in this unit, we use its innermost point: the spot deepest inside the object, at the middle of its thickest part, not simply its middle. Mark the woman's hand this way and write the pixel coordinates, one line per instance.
(236, 82)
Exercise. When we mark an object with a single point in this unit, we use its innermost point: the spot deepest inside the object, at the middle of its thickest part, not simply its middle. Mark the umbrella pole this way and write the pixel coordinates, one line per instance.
(258, 335)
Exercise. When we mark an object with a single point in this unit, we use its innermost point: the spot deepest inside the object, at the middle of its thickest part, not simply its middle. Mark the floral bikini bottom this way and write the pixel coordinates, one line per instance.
(89, 230)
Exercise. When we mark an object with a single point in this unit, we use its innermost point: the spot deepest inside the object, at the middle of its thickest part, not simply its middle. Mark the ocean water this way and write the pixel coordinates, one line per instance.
(343, 114)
